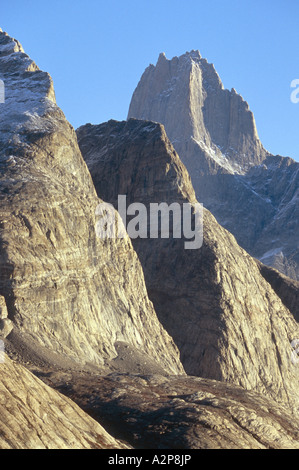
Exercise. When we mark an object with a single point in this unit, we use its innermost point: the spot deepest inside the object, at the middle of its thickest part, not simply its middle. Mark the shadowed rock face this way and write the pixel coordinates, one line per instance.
(33, 416)
(66, 289)
(287, 289)
(250, 192)
(227, 321)
(158, 412)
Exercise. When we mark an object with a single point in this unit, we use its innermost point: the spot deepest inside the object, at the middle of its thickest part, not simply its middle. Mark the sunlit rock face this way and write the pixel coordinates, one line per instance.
(34, 416)
(65, 289)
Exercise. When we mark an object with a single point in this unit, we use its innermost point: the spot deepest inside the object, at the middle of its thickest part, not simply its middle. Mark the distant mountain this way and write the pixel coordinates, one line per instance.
(251, 192)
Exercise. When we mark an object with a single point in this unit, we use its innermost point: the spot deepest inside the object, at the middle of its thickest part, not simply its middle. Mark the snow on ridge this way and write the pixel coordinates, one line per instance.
(149, 128)
(272, 252)
(221, 159)
(29, 93)
(8, 47)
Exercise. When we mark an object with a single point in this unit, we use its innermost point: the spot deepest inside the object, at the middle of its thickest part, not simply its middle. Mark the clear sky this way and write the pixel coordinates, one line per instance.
(97, 50)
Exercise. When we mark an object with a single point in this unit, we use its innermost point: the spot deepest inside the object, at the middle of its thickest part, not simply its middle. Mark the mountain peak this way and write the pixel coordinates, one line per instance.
(189, 86)
(29, 92)
(162, 56)
(53, 282)
(193, 54)
(214, 132)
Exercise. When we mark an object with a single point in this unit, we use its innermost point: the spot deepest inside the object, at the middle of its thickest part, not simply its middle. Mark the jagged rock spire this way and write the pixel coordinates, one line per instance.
(186, 95)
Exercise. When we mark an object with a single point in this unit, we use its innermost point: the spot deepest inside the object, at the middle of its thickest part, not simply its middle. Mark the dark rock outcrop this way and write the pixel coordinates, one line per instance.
(158, 412)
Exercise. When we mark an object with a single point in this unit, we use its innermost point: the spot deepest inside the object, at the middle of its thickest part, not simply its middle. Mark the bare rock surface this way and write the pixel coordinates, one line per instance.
(228, 322)
(66, 289)
(175, 412)
(250, 192)
(187, 96)
(34, 416)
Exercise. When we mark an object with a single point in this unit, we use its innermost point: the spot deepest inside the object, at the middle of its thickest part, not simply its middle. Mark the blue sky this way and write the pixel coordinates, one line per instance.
(97, 50)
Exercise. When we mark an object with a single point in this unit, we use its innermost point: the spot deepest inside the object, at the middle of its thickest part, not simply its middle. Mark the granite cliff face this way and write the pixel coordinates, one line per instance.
(187, 96)
(228, 322)
(65, 289)
(250, 192)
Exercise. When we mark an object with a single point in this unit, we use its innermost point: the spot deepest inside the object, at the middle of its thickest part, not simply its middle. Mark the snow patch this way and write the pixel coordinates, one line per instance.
(221, 159)
(271, 253)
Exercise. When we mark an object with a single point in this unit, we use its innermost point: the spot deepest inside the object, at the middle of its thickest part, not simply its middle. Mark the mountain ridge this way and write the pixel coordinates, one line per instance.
(70, 291)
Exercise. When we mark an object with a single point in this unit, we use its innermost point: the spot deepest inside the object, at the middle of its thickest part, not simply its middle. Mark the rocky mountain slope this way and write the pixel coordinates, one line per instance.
(75, 316)
(69, 291)
(34, 416)
(228, 322)
(159, 412)
(251, 193)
